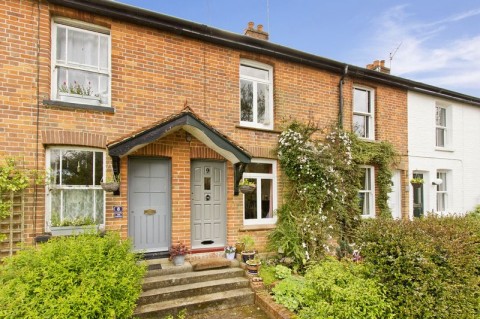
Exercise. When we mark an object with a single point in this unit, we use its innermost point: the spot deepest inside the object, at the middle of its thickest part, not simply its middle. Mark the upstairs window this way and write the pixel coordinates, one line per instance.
(81, 63)
(440, 126)
(363, 111)
(256, 95)
(366, 193)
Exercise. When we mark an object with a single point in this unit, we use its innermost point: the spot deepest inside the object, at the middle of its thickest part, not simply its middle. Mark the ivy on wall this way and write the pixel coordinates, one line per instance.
(321, 200)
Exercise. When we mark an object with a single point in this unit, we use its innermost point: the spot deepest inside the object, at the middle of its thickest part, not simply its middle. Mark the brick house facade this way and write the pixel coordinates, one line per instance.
(144, 70)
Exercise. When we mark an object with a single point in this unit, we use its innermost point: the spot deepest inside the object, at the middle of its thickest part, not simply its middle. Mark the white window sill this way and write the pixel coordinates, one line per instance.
(257, 227)
(256, 126)
(444, 149)
(368, 216)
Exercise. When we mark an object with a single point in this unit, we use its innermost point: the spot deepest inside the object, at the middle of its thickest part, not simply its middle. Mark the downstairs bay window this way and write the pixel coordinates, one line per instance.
(259, 206)
(74, 194)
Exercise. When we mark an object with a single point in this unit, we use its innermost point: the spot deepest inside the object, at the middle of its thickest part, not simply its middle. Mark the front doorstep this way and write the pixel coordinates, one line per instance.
(73, 230)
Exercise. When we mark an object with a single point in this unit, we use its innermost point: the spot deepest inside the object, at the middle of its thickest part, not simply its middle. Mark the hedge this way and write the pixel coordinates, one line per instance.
(430, 268)
(84, 276)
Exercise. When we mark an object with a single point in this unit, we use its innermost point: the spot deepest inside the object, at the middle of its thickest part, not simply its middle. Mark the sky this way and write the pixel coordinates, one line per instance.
(431, 41)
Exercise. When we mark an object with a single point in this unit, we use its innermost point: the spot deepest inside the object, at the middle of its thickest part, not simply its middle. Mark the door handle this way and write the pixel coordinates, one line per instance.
(207, 197)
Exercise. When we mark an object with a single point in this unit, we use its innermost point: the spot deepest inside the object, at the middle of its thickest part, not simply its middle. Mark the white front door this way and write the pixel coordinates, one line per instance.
(208, 207)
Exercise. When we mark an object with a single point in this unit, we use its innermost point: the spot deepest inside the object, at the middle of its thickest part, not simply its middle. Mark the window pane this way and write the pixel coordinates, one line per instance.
(441, 202)
(366, 183)
(98, 167)
(441, 116)
(246, 100)
(443, 185)
(55, 167)
(99, 206)
(254, 72)
(262, 102)
(61, 44)
(361, 101)
(104, 53)
(81, 82)
(360, 125)
(77, 203)
(250, 203)
(77, 167)
(55, 204)
(82, 48)
(440, 137)
(267, 211)
(364, 202)
(259, 168)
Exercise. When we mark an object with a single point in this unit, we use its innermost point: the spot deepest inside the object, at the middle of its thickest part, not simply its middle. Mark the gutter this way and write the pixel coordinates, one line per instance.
(203, 32)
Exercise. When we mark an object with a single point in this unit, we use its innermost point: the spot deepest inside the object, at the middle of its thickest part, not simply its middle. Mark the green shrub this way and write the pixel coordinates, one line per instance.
(267, 273)
(72, 277)
(282, 272)
(429, 267)
(333, 289)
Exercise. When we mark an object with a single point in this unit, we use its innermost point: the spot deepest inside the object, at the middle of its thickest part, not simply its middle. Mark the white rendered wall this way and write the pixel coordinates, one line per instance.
(461, 157)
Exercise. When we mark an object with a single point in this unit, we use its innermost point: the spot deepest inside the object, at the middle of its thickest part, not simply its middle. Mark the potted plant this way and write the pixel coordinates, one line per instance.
(230, 252)
(249, 247)
(111, 184)
(416, 181)
(253, 265)
(177, 253)
(239, 246)
(77, 93)
(246, 186)
(72, 226)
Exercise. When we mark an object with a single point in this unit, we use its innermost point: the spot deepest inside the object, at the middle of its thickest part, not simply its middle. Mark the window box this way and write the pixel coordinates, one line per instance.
(73, 230)
(80, 99)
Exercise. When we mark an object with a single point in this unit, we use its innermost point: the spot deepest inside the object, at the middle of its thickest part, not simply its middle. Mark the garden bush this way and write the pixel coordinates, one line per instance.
(430, 267)
(84, 276)
(333, 289)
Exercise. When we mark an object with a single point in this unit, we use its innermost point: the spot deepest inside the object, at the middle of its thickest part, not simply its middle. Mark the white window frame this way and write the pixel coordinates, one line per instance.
(370, 116)
(49, 188)
(370, 193)
(259, 176)
(447, 129)
(88, 28)
(442, 190)
(268, 124)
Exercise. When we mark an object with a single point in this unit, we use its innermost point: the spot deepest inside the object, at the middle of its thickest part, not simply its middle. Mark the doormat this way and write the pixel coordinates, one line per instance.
(154, 266)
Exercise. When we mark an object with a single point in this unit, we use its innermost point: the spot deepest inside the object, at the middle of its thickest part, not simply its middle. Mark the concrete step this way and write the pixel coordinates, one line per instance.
(154, 282)
(193, 289)
(197, 304)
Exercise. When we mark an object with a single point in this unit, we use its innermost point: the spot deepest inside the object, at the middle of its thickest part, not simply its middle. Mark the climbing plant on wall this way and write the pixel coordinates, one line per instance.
(323, 183)
(12, 179)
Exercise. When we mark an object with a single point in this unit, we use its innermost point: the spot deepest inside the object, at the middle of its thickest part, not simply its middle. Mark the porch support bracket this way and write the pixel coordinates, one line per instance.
(238, 169)
(116, 171)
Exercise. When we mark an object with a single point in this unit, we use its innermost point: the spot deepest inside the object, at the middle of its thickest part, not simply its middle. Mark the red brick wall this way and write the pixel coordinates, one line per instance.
(153, 74)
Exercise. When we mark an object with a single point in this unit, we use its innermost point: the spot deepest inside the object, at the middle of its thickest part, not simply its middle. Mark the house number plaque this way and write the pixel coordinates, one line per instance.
(149, 211)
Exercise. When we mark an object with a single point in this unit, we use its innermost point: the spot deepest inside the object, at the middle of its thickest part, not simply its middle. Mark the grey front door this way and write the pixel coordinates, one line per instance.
(208, 208)
(149, 203)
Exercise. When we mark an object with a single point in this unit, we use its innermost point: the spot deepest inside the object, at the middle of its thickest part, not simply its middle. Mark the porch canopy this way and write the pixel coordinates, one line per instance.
(191, 123)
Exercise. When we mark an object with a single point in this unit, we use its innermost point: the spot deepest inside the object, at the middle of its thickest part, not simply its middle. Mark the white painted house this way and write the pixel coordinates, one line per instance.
(444, 150)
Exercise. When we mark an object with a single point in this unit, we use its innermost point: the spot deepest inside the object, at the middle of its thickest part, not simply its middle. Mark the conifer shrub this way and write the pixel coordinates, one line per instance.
(84, 276)
(430, 267)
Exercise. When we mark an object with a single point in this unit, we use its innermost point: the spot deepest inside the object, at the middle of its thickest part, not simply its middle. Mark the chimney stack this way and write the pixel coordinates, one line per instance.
(379, 65)
(257, 33)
